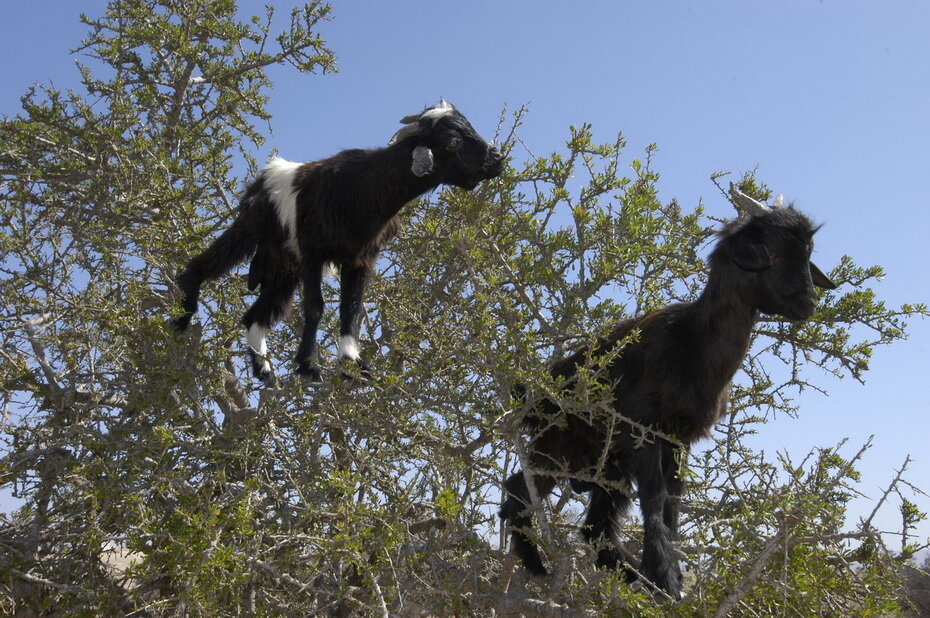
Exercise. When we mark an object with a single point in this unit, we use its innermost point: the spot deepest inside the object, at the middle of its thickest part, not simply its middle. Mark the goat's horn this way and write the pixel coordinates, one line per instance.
(412, 128)
(405, 132)
(746, 204)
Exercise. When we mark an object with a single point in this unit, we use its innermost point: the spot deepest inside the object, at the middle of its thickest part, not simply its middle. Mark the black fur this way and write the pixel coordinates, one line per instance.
(347, 208)
(672, 375)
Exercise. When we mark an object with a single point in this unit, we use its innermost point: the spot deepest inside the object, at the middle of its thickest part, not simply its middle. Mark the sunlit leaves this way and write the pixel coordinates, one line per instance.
(378, 497)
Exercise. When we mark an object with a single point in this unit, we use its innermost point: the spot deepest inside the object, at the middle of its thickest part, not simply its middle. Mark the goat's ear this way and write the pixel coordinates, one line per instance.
(422, 161)
(749, 254)
(819, 279)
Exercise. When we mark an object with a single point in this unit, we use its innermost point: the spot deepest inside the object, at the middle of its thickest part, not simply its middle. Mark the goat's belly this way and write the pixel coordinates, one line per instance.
(351, 252)
(691, 424)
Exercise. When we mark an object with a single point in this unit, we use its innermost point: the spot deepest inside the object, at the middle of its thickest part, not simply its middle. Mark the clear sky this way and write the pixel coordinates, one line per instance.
(830, 99)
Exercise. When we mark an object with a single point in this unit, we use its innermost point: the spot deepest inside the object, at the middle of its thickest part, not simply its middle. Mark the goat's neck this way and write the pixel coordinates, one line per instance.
(399, 186)
(726, 320)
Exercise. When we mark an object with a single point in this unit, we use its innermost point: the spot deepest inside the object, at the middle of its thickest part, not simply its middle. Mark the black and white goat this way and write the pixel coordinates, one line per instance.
(671, 374)
(297, 217)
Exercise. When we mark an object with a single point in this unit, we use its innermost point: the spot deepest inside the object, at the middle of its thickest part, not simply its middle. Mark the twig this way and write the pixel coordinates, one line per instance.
(32, 579)
(754, 572)
(517, 605)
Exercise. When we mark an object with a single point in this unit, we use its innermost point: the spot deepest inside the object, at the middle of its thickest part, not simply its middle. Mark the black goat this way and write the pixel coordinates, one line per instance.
(297, 217)
(670, 374)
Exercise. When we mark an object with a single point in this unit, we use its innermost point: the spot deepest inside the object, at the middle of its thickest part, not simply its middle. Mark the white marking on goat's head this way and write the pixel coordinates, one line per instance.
(438, 111)
(279, 177)
(412, 122)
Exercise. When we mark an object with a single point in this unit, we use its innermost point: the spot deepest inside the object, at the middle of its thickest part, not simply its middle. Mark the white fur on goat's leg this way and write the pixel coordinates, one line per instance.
(258, 345)
(330, 270)
(348, 347)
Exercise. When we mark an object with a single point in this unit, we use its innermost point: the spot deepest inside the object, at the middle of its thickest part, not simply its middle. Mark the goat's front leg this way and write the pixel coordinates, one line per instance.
(313, 311)
(671, 467)
(659, 564)
(353, 280)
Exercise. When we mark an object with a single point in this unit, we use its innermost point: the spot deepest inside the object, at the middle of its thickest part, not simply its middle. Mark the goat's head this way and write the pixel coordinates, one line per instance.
(446, 145)
(772, 248)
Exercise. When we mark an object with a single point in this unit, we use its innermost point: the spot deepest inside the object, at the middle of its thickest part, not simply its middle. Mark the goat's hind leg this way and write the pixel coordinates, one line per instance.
(230, 248)
(189, 283)
(274, 301)
(516, 512)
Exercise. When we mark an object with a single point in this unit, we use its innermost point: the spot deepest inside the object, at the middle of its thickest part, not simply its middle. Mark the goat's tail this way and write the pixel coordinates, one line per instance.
(232, 247)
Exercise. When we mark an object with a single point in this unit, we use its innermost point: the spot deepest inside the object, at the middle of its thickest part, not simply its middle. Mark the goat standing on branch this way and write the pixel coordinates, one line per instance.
(297, 217)
(671, 375)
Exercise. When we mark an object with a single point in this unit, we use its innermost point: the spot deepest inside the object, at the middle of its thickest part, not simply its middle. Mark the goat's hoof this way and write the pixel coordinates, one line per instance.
(532, 563)
(309, 372)
(356, 370)
(629, 574)
(261, 369)
(669, 580)
(180, 324)
(536, 570)
(612, 559)
(529, 555)
(608, 559)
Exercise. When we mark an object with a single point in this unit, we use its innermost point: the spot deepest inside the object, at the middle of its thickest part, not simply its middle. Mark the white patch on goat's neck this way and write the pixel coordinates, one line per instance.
(279, 176)
(259, 345)
(348, 347)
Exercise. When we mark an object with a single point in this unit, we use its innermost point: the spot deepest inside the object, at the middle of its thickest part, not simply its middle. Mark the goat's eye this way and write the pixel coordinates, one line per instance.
(454, 143)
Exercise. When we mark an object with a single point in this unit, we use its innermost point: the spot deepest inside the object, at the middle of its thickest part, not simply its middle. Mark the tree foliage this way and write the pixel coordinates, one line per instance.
(159, 479)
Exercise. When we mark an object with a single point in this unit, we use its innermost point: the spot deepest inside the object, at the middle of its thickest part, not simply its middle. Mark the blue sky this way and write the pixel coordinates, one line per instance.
(829, 99)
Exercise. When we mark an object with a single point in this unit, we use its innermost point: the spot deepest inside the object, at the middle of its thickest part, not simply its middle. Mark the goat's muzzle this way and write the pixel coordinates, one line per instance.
(800, 308)
(493, 163)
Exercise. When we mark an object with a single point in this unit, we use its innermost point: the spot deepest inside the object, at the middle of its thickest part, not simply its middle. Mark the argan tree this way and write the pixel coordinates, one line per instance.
(157, 478)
